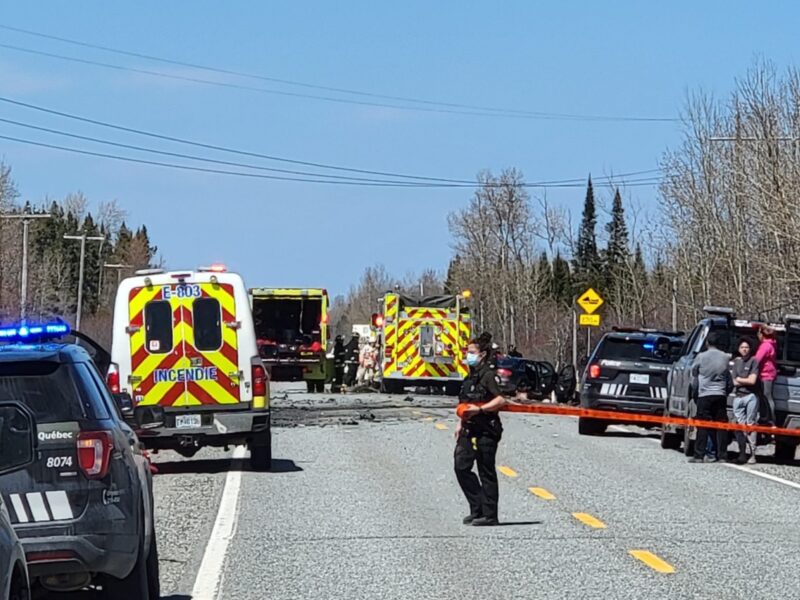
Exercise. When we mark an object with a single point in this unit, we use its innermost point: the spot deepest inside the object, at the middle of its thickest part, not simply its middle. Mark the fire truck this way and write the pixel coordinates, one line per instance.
(292, 333)
(423, 341)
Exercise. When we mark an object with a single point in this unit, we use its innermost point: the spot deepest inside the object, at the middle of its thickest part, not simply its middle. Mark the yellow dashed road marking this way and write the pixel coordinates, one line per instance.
(652, 561)
(542, 493)
(508, 471)
(416, 412)
(440, 426)
(428, 419)
(589, 520)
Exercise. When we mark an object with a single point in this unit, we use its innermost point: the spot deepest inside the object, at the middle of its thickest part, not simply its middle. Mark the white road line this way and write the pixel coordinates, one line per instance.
(774, 478)
(207, 584)
(623, 429)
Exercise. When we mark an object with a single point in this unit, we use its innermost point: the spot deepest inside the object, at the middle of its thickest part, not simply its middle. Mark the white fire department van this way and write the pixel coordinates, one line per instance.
(184, 343)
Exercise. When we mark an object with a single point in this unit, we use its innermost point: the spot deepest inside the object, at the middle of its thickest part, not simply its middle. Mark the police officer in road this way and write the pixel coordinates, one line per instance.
(478, 434)
(351, 360)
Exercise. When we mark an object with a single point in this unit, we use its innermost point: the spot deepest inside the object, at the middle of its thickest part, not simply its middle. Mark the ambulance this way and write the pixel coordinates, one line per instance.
(184, 344)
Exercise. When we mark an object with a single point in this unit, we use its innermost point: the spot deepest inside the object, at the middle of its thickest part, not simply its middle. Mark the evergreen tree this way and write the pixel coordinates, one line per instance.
(617, 252)
(563, 285)
(451, 284)
(587, 260)
(543, 276)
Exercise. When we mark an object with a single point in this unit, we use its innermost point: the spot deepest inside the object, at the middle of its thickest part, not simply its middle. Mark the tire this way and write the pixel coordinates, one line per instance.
(153, 571)
(670, 441)
(311, 386)
(261, 455)
(591, 426)
(320, 386)
(391, 387)
(20, 588)
(188, 451)
(136, 586)
(452, 388)
(688, 443)
(784, 453)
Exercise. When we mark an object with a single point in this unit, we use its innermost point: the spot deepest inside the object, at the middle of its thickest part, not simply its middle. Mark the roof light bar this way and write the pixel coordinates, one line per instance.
(34, 332)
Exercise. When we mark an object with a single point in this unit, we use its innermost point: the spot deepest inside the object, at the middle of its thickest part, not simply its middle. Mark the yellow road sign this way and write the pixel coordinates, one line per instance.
(590, 301)
(590, 320)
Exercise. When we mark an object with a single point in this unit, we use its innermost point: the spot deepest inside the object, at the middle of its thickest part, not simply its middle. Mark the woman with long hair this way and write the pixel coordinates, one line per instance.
(767, 357)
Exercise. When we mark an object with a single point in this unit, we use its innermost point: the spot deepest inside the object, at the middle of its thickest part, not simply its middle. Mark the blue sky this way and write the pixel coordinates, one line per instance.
(612, 58)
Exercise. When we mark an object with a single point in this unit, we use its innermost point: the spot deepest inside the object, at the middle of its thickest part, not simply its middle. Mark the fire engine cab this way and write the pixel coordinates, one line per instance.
(184, 343)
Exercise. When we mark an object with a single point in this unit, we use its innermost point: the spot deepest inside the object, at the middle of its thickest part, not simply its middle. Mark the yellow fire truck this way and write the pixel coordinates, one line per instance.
(423, 341)
(292, 333)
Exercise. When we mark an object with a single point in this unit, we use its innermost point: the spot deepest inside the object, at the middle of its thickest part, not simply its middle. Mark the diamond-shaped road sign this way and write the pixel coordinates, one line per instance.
(590, 301)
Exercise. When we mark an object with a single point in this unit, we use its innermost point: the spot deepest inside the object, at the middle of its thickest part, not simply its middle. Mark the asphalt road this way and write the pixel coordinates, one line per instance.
(363, 504)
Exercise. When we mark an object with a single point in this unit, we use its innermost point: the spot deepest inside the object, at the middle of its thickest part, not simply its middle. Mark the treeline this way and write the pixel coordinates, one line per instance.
(726, 231)
(53, 261)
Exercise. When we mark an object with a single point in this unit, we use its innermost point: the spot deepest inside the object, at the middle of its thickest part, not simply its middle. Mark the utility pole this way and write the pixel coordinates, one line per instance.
(82, 238)
(26, 221)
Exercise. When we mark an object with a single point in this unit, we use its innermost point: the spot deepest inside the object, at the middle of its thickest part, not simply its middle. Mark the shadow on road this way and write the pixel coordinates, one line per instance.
(221, 465)
(518, 523)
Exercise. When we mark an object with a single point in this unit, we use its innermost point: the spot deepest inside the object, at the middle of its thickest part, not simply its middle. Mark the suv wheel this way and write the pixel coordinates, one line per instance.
(136, 586)
(784, 453)
(591, 426)
(20, 590)
(670, 441)
(153, 572)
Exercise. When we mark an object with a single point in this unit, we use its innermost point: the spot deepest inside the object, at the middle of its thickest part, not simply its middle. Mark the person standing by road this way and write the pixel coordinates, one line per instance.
(745, 403)
(766, 357)
(711, 378)
(478, 433)
(351, 351)
(338, 364)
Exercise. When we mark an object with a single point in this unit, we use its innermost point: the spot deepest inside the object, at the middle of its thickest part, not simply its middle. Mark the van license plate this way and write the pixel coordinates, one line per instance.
(188, 422)
(640, 378)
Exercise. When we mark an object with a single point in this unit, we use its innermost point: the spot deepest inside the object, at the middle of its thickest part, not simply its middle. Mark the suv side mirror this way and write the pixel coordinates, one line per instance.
(125, 404)
(149, 417)
(17, 437)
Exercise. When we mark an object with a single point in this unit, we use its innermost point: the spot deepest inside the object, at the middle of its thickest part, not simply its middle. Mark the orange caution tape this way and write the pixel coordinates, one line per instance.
(625, 417)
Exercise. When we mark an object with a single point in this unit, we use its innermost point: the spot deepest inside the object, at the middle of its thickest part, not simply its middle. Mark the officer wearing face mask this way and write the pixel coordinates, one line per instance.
(478, 433)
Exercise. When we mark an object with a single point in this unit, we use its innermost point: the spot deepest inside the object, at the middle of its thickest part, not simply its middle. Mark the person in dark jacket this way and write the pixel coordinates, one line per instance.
(351, 351)
(338, 363)
(478, 434)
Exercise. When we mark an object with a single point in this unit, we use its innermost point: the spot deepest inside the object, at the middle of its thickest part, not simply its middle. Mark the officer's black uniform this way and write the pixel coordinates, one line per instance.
(477, 442)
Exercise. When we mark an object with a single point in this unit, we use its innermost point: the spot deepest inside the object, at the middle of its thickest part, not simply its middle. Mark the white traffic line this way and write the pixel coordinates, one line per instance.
(207, 584)
(774, 478)
(623, 429)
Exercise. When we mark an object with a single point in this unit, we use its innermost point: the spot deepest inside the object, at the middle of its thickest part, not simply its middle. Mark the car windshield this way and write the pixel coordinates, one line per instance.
(48, 388)
(647, 349)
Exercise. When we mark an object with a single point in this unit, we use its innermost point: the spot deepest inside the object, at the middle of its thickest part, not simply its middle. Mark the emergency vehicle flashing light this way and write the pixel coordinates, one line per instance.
(28, 332)
(467, 294)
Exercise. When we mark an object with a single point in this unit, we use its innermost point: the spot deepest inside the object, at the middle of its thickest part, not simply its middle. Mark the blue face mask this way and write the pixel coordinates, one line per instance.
(473, 359)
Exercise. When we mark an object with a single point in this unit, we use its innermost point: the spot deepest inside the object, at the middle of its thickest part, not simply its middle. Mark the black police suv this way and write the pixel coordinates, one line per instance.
(84, 509)
(627, 372)
(785, 391)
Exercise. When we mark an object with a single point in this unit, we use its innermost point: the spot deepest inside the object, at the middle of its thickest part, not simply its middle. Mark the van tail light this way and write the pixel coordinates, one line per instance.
(594, 371)
(94, 453)
(112, 378)
(504, 373)
(388, 351)
(259, 381)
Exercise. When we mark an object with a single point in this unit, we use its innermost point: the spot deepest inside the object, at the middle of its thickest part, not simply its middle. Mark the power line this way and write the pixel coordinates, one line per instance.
(469, 183)
(635, 183)
(432, 107)
(340, 90)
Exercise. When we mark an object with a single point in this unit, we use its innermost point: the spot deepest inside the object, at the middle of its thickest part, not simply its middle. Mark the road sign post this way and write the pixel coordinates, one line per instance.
(589, 301)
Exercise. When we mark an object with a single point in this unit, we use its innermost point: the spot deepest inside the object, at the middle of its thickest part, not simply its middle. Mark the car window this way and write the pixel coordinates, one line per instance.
(729, 336)
(102, 390)
(618, 348)
(50, 389)
(158, 327)
(207, 320)
(90, 391)
(691, 342)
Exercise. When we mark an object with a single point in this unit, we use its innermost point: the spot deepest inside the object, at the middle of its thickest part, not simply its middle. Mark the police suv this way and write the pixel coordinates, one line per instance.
(785, 391)
(84, 509)
(627, 372)
(184, 341)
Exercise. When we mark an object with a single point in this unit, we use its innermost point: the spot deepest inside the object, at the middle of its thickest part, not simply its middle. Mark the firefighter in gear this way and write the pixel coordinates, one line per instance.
(338, 363)
(351, 352)
(478, 433)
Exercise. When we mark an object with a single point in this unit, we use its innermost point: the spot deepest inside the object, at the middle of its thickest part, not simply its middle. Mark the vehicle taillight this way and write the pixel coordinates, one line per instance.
(594, 371)
(94, 453)
(388, 351)
(259, 381)
(506, 373)
(112, 378)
